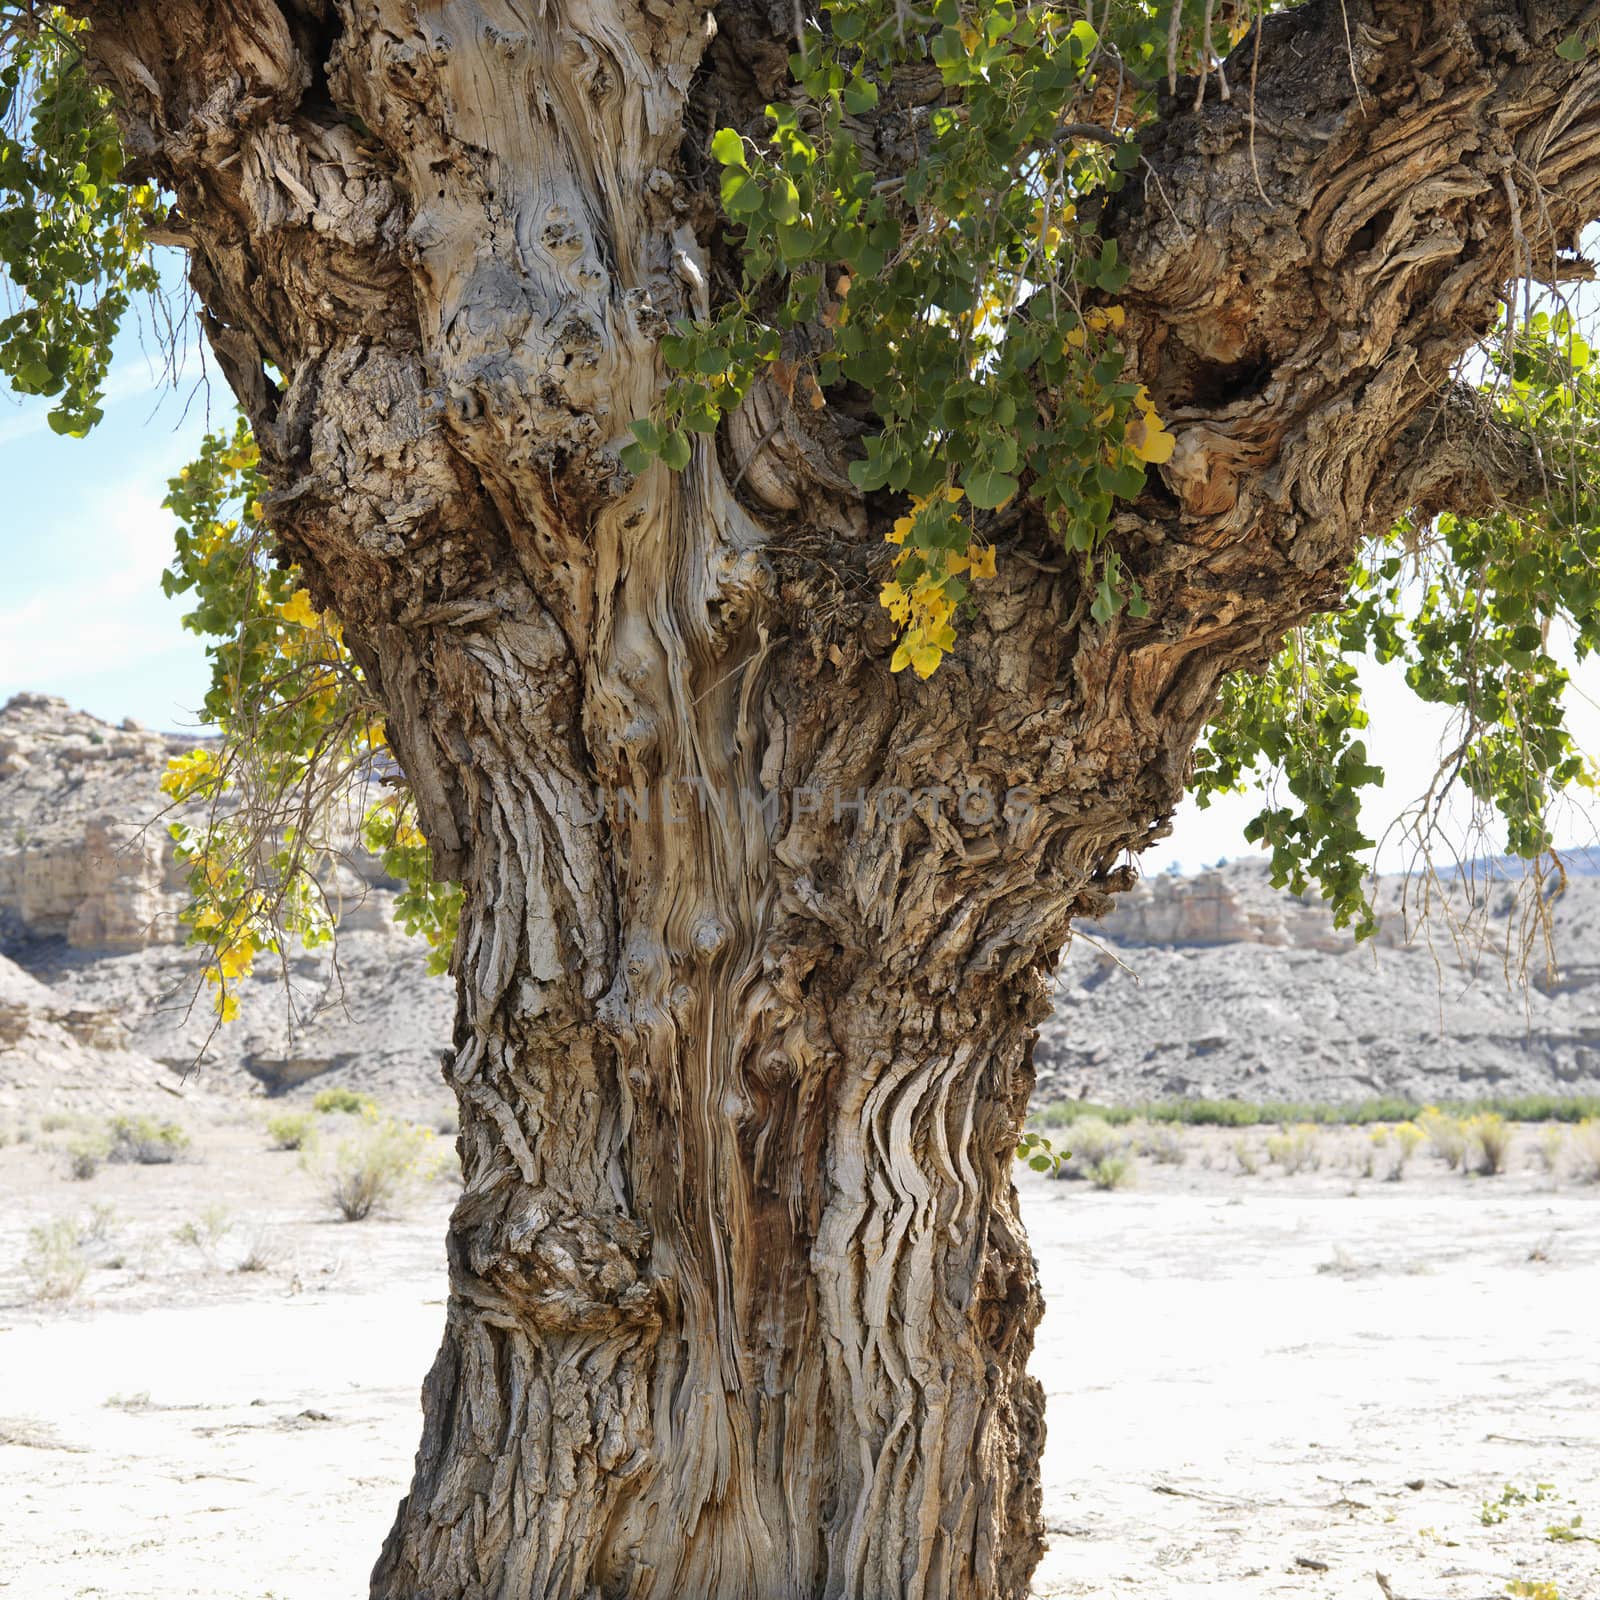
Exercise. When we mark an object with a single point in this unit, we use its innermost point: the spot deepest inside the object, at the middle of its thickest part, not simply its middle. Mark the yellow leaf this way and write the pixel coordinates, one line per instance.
(1149, 440)
(237, 959)
(925, 659)
(299, 610)
(901, 659)
(897, 534)
(983, 565)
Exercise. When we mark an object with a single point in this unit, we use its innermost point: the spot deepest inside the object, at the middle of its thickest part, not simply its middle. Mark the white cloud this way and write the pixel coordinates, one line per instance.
(107, 617)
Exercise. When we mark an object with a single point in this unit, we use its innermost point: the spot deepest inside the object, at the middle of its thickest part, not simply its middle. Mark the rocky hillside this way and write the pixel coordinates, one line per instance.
(1220, 986)
(97, 989)
(1213, 985)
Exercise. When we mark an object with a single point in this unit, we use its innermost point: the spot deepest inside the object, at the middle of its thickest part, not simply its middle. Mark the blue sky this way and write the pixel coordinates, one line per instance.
(83, 541)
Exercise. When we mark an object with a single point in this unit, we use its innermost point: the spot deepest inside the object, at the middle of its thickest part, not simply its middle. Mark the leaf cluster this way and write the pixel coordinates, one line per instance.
(964, 294)
(73, 248)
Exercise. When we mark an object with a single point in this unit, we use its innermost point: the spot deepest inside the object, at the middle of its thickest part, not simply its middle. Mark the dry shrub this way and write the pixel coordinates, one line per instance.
(84, 1156)
(206, 1231)
(1585, 1149)
(1162, 1143)
(1390, 1149)
(1113, 1172)
(1489, 1138)
(1089, 1141)
(374, 1169)
(262, 1252)
(1547, 1153)
(55, 1263)
(147, 1141)
(294, 1130)
(1296, 1149)
(1446, 1135)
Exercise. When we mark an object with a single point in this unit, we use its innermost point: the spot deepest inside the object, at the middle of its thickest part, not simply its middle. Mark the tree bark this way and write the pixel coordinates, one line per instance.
(755, 934)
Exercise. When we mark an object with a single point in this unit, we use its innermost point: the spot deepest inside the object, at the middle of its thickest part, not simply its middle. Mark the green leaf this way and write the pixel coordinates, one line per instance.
(1572, 48)
(784, 204)
(728, 148)
(743, 196)
(794, 242)
(990, 489)
(860, 96)
(675, 450)
(735, 182)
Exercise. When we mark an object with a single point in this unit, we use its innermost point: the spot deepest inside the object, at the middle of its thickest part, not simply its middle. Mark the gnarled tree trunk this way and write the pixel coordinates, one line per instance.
(755, 934)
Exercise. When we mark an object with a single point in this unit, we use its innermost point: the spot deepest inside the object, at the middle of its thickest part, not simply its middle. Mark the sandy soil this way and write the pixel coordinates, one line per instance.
(1258, 1385)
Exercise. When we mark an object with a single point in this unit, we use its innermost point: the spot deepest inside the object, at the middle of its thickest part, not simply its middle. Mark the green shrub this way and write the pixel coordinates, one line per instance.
(55, 1264)
(147, 1141)
(1245, 1154)
(1361, 1113)
(345, 1100)
(1112, 1172)
(1489, 1137)
(1089, 1141)
(374, 1169)
(294, 1130)
(84, 1156)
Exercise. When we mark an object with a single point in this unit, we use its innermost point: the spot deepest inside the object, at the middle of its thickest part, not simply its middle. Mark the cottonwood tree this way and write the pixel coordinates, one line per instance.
(777, 494)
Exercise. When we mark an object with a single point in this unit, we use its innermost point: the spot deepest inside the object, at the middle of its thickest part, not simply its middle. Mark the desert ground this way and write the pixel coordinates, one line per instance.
(1259, 1384)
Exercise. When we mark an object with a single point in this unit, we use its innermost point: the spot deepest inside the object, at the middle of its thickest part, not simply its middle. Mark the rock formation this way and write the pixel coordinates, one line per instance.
(1214, 985)
(1218, 986)
(90, 893)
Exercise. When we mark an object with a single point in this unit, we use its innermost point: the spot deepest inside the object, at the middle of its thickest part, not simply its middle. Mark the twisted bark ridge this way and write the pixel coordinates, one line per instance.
(753, 939)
